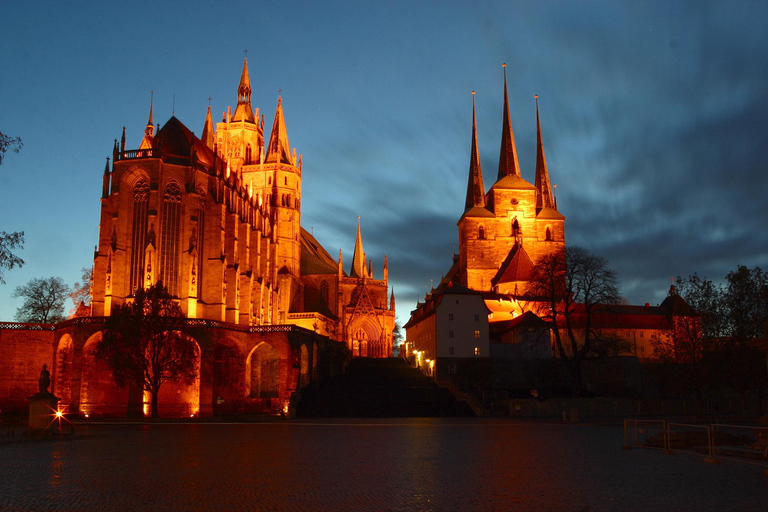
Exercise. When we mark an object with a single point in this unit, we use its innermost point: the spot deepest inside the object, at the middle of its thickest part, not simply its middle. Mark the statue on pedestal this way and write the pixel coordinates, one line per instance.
(44, 381)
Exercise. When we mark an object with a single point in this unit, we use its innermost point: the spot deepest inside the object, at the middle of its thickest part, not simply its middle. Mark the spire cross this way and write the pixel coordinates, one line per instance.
(246, 53)
(209, 100)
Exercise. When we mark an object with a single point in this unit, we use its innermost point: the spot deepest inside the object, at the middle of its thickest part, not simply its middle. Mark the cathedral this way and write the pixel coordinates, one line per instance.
(217, 220)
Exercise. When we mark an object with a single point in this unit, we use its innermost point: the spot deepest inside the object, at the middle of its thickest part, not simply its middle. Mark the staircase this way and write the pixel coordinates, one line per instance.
(380, 388)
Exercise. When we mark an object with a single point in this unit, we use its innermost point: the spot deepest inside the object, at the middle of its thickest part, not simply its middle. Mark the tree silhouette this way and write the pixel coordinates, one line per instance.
(43, 300)
(145, 343)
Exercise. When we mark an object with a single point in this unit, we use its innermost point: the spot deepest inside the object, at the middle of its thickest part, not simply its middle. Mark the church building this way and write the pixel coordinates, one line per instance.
(217, 219)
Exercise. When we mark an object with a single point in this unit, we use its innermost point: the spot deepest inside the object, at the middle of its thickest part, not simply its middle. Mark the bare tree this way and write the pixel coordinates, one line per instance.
(8, 143)
(145, 343)
(81, 292)
(15, 240)
(43, 300)
(8, 260)
(570, 289)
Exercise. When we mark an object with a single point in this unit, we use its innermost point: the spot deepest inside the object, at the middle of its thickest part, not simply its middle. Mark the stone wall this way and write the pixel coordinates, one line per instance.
(24, 348)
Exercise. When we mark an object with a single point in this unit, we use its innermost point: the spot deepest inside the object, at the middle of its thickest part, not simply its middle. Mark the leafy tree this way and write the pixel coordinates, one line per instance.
(81, 292)
(571, 289)
(9, 241)
(8, 143)
(8, 260)
(145, 343)
(43, 300)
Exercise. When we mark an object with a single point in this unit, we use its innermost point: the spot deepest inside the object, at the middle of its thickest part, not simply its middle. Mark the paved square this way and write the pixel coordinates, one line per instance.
(411, 464)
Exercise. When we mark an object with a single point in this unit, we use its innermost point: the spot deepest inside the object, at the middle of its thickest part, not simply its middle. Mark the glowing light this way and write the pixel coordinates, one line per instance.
(59, 414)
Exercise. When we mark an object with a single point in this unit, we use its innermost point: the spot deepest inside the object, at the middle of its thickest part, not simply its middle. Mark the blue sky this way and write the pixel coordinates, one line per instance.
(655, 120)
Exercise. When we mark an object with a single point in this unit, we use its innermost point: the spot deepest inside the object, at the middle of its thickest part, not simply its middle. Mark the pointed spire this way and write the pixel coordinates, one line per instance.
(279, 151)
(358, 257)
(207, 136)
(392, 300)
(508, 164)
(105, 181)
(475, 187)
(122, 141)
(543, 188)
(244, 89)
(243, 111)
(149, 130)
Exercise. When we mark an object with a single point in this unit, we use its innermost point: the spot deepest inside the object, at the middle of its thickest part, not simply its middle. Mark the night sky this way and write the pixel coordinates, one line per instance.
(654, 114)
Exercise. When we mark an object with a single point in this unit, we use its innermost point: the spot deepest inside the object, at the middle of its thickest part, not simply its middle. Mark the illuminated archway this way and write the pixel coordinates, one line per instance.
(365, 334)
(263, 372)
(62, 385)
(178, 399)
(228, 371)
(99, 395)
(304, 367)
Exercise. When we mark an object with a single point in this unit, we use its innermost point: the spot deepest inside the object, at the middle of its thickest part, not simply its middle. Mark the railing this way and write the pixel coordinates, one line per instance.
(138, 153)
(190, 322)
(713, 442)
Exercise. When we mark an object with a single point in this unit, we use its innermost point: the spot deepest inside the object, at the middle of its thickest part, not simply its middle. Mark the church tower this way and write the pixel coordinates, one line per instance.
(505, 233)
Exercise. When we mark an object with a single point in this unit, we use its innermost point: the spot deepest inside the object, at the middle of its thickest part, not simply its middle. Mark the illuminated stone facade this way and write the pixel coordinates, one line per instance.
(217, 219)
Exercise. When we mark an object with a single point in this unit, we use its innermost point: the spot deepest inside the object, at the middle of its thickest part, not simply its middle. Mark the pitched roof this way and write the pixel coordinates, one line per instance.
(279, 151)
(544, 198)
(517, 266)
(314, 258)
(475, 187)
(176, 140)
(508, 163)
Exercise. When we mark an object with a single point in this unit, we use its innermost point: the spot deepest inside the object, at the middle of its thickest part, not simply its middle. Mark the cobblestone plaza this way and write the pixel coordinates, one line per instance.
(412, 464)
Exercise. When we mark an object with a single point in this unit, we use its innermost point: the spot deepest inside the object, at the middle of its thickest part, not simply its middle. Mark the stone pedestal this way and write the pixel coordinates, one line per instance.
(42, 412)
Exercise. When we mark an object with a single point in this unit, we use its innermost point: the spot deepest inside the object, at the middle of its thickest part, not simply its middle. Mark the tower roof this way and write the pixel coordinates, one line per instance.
(243, 111)
(544, 197)
(475, 187)
(177, 141)
(358, 258)
(279, 151)
(508, 163)
(207, 137)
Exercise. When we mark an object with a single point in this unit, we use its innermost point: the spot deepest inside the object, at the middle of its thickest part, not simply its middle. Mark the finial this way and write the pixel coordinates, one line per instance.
(246, 53)
(504, 65)
(209, 101)
(173, 113)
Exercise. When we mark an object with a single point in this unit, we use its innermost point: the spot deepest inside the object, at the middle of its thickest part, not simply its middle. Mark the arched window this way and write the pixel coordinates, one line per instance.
(324, 291)
(248, 154)
(481, 233)
(200, 238)
(139, 233)
(548, 235)
(169, 249)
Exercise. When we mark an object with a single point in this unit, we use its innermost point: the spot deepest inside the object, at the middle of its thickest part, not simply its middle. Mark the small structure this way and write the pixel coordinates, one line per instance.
(43, 405)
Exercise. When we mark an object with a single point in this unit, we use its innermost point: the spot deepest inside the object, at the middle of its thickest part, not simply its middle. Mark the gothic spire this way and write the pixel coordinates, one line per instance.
(279, 151)
(475, 187)
(207, 137)
(244, 89)
(149, 131)
(543, 189)
(243, 111)
(358, 258)
(508, 164)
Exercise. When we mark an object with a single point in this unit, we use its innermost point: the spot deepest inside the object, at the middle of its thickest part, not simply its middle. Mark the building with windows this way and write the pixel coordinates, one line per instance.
(217, 219)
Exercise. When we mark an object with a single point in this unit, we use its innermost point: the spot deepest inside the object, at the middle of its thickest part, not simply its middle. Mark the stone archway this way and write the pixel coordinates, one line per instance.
(228, 376)
(178, 399)
(62, 382)
(263, 372)
(99, 394)
(304, 366)
(365, 334)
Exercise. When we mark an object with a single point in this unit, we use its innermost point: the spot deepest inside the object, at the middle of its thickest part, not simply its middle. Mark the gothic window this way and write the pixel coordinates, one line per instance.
(481, 233)
(286, 180)
(169, 249)
(515, 227)
(200, 238)
(548, 235)
(139, 233)
(248, 154)
(324, 291)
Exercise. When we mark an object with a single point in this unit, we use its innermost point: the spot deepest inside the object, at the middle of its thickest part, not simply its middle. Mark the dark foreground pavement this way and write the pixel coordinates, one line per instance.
(409, 464)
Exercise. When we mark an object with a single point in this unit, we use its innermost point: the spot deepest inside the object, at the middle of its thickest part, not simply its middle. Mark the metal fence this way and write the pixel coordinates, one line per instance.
(713, 442)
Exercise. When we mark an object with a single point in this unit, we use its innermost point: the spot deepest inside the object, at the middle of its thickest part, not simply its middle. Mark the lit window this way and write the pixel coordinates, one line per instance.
(170, 241)
(139, 233)
(477, 334)
(477, 351)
